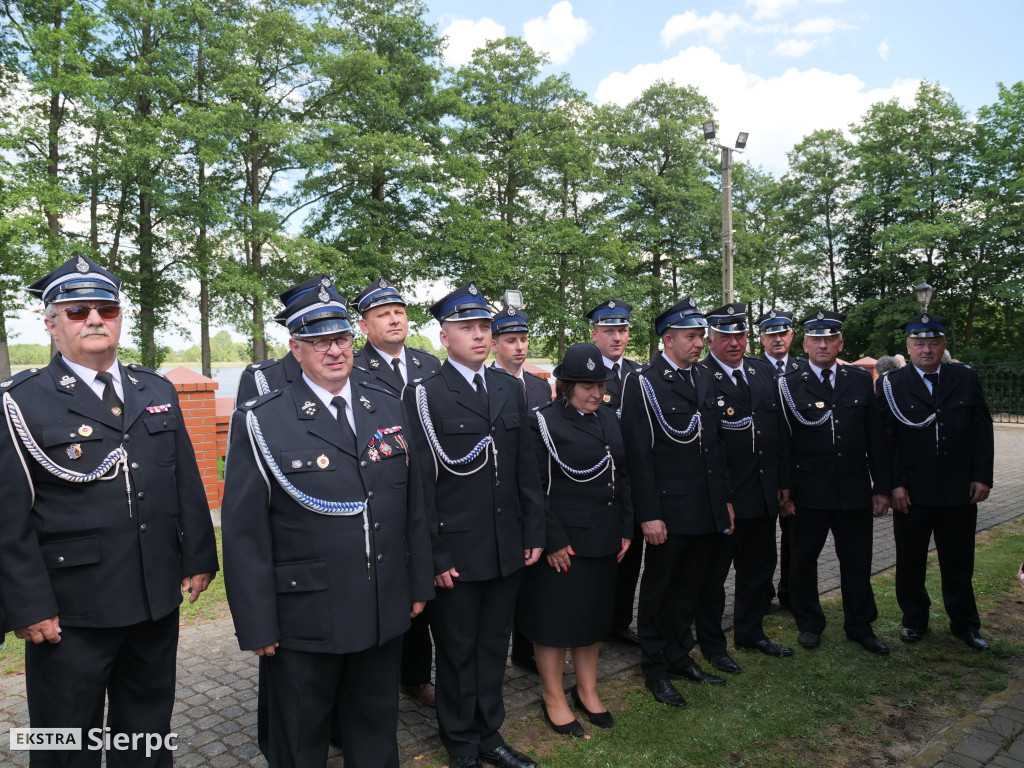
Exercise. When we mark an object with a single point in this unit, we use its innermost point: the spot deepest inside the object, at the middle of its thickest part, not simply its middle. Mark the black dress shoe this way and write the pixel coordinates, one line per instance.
(972, 639)
(665, 693)
(911, 635)
(600, 719)
(572, 728)
(627, 636)
(723, 663)
(471, 761)
(809, 640)
(692, 671)
(768, 648)
(507, 757)
(872, 644)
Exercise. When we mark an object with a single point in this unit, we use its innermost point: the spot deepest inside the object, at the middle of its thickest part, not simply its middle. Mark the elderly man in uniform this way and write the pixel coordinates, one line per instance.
(681, 494)
(326, 551)
(942, 447)
(839, 477)
(105, 522)
(394, 365)
(754, 433)
(486, 517)
(610, 333)
(776, 335)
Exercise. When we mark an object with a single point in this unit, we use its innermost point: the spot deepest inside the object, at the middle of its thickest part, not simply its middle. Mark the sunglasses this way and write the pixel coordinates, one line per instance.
(105, 311)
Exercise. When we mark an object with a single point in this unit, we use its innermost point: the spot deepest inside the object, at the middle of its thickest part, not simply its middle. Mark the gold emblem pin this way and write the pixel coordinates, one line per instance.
(607, 398)
(730, 410)
(819, 404)
(322, 461)
(85, 430)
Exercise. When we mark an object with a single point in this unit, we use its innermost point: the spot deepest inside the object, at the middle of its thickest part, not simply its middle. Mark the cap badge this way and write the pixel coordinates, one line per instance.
(68, 382)
(731, 310)
(692, 303)
(821, 315)
(590, 364)
(472, 290)
(324, 296)
(384, 284)
(772, 314)
(611, 305)
(85, 430)
(511, 311)
(82, 265)
(309, 408)
(924, 318)
(296, 463)
(322, 461)
(325, 281)
(75, 451)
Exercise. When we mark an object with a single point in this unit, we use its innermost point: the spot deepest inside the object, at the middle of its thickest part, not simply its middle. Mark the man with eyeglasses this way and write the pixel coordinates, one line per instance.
(105, 524)
(326, 551)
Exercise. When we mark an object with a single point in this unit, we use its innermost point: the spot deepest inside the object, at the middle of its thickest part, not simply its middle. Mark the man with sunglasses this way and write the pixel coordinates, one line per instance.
(326, 551)
(105, 524)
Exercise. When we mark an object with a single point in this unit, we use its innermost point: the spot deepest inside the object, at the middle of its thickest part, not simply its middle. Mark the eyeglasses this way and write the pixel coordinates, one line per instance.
(324, 345)
(105, 311)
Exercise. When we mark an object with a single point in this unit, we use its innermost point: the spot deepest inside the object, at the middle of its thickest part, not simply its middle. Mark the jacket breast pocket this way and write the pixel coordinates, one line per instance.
(454, 520)
(303, 610)
(469, 425)
(75, 583)
(310, 460)
(161, 428)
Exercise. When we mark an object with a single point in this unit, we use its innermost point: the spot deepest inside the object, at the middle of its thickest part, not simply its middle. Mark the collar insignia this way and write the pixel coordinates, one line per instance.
(365, 403)
(415, 360)
(374, 363)
(133, 380)
(719, 375)
(668, 374)
(68, 382)
(590, 364)
(309, 408)
(82, 265)
(751, 371)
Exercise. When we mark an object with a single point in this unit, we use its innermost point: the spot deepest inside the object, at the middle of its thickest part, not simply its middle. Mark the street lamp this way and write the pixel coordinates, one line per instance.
(726, 168)
(512, 298)
(924, 293)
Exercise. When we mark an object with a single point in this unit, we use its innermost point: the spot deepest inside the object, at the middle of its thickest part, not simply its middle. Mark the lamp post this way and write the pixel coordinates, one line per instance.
(924, 293)
(726, 168)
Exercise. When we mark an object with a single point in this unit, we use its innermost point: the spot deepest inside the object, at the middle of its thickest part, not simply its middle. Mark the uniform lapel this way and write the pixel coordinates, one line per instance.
(466, 395)
(591, 427)
(917, 388)
(84, 401)
(319, 420)
(499, 390)
(136, 397)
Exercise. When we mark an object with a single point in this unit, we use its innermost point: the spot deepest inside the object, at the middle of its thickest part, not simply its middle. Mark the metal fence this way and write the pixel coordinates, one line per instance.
(1003, 384)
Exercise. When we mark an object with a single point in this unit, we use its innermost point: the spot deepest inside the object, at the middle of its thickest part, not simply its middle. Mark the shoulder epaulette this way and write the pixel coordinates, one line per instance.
(137, 368)
(534, 375)
(262, 364)
(371, 384)
(255, 402)
(423, 352)
(19, 377)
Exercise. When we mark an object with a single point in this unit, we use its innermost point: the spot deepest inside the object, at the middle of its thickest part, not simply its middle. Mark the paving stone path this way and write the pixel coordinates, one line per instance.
(215, 711)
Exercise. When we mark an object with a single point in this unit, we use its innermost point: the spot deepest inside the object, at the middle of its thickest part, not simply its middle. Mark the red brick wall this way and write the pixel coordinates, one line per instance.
(197, 396)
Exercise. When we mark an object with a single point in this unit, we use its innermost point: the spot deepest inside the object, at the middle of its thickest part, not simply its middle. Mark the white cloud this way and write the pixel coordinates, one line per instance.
(558, 34)
(715, 26)
(794, 49)
(777, 111)
(465, 36)
(883, 50)
(770, 9)
(823, 25)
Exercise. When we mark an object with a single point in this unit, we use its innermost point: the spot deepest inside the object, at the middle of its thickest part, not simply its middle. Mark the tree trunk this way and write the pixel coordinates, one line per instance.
(5, 353)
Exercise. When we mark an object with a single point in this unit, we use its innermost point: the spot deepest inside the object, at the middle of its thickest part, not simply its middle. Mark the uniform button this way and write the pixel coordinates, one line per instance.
(709, 471)
(309, 463)
(376, 526)
(60, 559)
(440, 525)
(760, 453)
(462, 426)
(494, 430)
(142, 494)
(292, 584)
(127, 438)
(142, 528)
(135, 465)
(609, 503)
(362, 464)
(498, 511)
(380, 558)
(369, 495)
(840, 455)
(761, 471)
(607, 448)
(165, 423)
(497, 483)
(759, 431)
(609, 485)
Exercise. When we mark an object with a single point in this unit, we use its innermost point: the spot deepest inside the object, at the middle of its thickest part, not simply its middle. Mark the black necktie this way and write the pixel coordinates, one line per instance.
(396, 363)
(110, 398)
(688, 375)
(826, 379)
(780, 367)
(339, 403)
(934, 379)
(478, 382)
(616, 370)
(743, 386)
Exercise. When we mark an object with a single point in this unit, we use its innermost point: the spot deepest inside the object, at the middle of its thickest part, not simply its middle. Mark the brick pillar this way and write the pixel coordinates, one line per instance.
(197, 396)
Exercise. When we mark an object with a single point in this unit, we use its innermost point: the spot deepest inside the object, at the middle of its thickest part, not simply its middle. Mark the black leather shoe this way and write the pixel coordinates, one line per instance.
(600, 719)
(723, 663)
(911, 635)
(627, 636)
(809, 640)
(572, 728)
(665, 693)
(472, 761)
(507, 757)
(872, 644)
(972, 639)
(768, 648)
(692, 671)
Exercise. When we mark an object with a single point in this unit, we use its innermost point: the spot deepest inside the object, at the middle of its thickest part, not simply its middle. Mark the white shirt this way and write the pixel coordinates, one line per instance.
(469, 373)
(401, 361)
(88, 377)
(927, 383)
(817, 372)
(728, 369)
(325, 397)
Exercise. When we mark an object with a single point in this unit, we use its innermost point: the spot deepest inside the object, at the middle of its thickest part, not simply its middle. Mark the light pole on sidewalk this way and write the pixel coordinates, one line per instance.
(726, 168)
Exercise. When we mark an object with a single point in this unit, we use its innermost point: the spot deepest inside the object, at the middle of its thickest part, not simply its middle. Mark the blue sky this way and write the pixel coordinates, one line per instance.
(775, 68)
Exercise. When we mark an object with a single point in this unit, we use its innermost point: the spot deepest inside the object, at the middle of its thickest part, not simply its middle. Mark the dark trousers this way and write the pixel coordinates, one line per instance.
(132, 667)
(306, 689)
(625, 582)
(751, 547)
(417, 650)
(784, 559)
(669, 590)
(954, 542)
(852, 533)
(472, 625)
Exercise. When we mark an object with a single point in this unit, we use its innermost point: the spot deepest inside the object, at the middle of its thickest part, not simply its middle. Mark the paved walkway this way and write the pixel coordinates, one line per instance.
(215, 711)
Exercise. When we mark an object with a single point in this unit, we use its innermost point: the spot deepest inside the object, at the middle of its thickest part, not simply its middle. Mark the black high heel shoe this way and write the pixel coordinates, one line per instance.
(600, 719)
(573, 729)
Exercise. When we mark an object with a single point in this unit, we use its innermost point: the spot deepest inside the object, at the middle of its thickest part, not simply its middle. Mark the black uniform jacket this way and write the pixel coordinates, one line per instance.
(835, 474)
(792, 362)
(480, 523)
(538, 391)
(419, 364)
(111, 552)
(592, 514)
(938, 463)
(302, 578)
(757, 455)
(684, 484)
(275, 374)
(613, 387)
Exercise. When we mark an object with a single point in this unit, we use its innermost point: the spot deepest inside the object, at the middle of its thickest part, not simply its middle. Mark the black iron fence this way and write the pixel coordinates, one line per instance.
(1003, 384)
